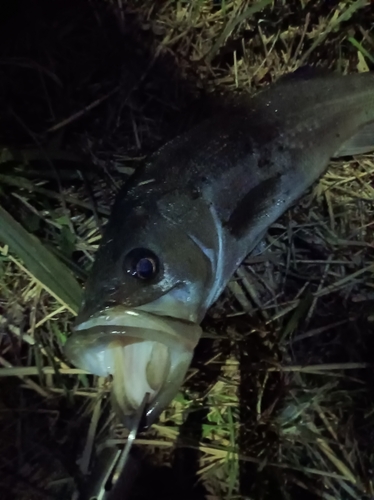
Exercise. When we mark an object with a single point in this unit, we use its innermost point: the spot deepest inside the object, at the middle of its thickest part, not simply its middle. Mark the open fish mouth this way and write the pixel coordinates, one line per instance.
(144, 352)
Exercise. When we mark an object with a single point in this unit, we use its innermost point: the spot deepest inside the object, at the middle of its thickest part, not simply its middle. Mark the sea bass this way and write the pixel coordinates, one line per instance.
(183, 224)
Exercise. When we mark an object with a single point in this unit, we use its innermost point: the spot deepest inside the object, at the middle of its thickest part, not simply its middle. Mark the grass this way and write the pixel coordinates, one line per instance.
(278, 401)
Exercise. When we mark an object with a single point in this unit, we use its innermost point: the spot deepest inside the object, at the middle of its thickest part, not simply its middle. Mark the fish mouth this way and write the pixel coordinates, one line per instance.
(144, 352)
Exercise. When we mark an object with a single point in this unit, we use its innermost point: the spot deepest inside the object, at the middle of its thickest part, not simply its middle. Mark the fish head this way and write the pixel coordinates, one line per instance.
(139, 320)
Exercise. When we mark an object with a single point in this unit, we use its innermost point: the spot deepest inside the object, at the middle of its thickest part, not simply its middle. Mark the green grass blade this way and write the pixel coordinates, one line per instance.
(359, 47)
(50, 272)
(334, 24)
(233, 23)
(298, 314)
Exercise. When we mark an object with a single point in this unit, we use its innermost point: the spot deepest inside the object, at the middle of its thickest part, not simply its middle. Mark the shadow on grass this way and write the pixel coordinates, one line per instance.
(57, 58)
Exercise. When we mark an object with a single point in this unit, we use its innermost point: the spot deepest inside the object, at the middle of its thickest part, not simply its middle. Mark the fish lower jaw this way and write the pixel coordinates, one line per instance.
(143, 352)
(138, 368)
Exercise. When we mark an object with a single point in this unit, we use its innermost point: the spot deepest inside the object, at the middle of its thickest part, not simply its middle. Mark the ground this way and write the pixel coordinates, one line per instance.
(279, 398)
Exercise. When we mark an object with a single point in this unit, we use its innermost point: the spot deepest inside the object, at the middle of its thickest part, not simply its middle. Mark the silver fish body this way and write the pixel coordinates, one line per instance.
(182, 225)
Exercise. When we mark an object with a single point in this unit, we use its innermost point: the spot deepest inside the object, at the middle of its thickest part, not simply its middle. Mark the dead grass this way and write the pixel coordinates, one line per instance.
(282, 385)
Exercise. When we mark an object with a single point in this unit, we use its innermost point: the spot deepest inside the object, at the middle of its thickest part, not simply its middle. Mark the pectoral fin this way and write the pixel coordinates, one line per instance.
(360, 143)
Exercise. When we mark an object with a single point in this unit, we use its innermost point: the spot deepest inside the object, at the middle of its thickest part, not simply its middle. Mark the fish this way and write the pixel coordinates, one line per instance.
(182, 224)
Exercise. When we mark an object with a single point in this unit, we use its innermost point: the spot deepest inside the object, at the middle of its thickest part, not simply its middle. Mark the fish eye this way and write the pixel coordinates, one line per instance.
(142, 263)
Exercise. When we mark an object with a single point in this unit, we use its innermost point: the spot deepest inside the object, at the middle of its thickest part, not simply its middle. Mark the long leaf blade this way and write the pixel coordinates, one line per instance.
(53, 275)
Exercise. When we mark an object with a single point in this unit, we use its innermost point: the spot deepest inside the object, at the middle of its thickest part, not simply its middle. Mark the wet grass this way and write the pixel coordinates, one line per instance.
(279, 399)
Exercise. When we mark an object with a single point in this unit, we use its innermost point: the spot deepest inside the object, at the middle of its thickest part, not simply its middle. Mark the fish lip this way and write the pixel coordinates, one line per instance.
(121, 324)
(119, 320)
